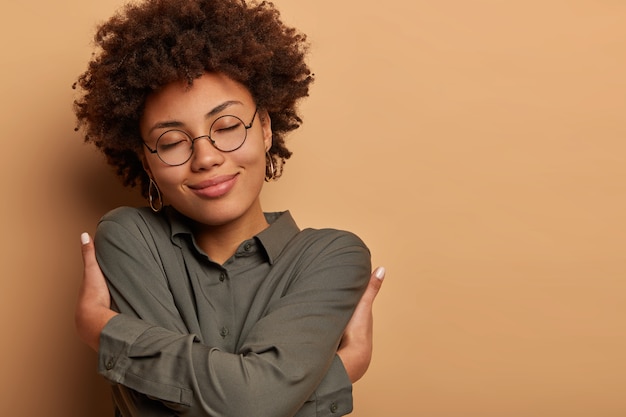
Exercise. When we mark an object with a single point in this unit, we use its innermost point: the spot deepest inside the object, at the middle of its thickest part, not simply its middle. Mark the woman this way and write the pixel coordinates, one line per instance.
(225, 310)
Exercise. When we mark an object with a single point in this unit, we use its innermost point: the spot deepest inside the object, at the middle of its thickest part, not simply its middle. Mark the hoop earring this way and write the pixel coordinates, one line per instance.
(270, 170)
(151, 199)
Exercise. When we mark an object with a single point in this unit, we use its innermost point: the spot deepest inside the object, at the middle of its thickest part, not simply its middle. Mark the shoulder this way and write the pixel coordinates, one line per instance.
(329, 248)
(131, 217)
(328, 258)
(331, 239)
(284, 239)
(128, 215)
(141, 223)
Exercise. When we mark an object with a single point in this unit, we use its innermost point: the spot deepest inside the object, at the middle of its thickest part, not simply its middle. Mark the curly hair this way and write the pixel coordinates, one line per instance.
(148, 45)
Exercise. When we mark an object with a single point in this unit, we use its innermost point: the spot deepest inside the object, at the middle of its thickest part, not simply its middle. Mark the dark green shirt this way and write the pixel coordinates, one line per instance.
(254, 337)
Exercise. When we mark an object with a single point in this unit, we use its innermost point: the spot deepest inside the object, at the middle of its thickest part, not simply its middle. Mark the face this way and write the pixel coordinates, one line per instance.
(213, 188)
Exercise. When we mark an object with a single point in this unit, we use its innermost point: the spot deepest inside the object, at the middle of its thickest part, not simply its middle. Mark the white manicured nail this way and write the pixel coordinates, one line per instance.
(84, 238)
(380, 272)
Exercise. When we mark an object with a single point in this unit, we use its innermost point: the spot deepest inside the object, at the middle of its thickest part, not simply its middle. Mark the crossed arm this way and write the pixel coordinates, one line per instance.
(93, 313)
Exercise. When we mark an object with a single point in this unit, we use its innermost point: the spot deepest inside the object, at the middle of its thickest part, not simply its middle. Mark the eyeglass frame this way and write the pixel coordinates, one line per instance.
(193, 140)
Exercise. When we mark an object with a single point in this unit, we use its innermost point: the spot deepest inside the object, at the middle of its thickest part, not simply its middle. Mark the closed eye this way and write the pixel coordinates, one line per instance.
(228, 128)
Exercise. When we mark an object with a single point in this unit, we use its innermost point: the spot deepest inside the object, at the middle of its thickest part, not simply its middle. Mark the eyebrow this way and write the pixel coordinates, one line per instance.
(214, 111)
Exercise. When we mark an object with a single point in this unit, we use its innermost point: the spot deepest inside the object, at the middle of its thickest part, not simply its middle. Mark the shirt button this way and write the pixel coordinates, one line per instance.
(109, 364)
(334, 407)
(224, 332)
(222, 277)
(247, 247)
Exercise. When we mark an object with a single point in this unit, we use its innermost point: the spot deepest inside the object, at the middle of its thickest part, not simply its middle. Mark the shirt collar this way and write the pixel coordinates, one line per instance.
(275, 238)
(282, 228)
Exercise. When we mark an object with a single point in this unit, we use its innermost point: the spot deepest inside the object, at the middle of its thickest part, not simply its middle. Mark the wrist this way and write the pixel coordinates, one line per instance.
(355, 361)
(90, 323)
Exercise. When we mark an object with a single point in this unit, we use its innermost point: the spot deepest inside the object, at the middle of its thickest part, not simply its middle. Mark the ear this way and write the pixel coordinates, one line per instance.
(266, 125)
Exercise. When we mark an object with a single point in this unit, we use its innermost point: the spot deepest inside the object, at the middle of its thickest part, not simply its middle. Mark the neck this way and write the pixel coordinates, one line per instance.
(221, 241)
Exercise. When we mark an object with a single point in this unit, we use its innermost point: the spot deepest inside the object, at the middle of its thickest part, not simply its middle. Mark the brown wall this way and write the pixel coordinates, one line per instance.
(477, 146)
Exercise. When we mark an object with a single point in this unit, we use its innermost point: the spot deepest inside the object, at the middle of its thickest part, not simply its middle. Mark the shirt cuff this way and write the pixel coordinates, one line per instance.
(115, 341)
(334, 394)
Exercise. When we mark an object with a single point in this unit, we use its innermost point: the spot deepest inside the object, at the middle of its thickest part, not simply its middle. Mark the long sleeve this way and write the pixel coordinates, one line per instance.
(285, 356)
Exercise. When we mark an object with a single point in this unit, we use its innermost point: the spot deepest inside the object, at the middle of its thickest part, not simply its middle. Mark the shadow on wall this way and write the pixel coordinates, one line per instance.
(88, 188)
(97, 185)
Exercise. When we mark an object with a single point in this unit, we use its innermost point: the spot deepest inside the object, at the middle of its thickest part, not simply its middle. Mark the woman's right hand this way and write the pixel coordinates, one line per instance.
(355, 349)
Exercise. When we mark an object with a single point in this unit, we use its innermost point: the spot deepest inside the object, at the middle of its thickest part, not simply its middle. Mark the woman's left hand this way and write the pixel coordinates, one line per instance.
(93, 308)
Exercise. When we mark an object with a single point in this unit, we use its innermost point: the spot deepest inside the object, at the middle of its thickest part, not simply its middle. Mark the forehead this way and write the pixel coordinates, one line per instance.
(179, 100)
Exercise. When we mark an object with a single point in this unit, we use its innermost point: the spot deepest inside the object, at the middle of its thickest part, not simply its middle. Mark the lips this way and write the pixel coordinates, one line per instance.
(215, 187)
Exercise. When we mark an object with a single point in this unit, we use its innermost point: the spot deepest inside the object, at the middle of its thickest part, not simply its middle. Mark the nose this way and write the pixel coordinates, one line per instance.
(205, 155)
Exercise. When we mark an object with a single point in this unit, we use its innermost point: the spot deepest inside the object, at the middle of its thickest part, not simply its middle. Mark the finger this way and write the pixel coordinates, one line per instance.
(88, 250)
(91, 272)
(94, 287)
(375, 282)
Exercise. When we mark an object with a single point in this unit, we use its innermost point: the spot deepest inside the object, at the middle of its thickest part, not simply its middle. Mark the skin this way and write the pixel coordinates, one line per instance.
(220, 192)
(226, 213)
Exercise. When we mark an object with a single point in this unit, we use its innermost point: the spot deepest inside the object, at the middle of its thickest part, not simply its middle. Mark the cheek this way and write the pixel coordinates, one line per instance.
(255, 166)
(168, 180)
(253, 157)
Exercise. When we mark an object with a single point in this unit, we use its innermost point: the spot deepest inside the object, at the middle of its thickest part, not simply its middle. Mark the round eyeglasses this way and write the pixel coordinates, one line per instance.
(227, 134)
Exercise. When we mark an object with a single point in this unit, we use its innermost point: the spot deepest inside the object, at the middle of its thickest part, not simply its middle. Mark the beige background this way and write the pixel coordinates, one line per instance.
(478, 148)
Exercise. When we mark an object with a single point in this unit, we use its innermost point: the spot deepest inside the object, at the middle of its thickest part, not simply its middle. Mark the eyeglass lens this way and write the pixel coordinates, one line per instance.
(227, 133)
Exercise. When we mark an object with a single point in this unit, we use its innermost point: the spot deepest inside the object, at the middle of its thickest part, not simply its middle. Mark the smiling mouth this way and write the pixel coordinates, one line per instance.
(215, 187)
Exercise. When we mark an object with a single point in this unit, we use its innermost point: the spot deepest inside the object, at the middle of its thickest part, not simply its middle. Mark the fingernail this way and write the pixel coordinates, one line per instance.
(380, 272)
(84, 238)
